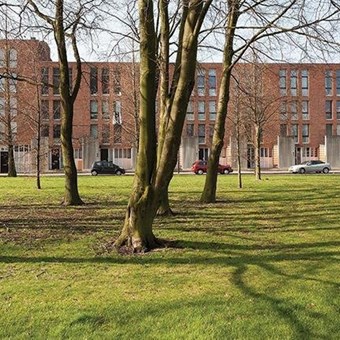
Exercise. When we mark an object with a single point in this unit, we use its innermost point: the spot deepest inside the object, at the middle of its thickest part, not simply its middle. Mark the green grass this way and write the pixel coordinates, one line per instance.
(261, 263)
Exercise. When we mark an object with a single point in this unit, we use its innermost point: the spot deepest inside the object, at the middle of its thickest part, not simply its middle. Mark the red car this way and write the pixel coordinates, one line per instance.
(200, 167)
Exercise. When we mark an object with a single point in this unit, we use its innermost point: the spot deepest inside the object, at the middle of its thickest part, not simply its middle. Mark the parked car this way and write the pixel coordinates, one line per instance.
(199, 167)
(105, 167)
(310, 166)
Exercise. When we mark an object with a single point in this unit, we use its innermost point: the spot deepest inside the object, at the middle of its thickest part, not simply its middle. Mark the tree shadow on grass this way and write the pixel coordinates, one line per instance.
(285, 308)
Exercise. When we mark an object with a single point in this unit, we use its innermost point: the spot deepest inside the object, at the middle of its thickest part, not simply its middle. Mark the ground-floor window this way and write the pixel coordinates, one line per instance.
(122, 153)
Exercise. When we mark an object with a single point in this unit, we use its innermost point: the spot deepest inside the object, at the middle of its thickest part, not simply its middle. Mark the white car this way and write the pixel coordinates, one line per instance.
(310, 166)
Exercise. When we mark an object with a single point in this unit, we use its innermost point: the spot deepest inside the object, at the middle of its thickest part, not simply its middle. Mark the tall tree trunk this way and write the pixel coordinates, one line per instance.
(209, 191)
(153, 176)
(71, 195)
(239, 166)
(12, 172)
(257, 152)
(137, 231)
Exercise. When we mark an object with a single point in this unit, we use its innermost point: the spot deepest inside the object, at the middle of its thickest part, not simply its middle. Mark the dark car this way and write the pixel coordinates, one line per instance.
(200, 167)
(106, 167)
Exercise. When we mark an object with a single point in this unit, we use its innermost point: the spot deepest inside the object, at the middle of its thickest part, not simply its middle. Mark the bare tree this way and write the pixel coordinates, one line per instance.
(153, 174)
(64, 21)
(274, 23)
(8, 102)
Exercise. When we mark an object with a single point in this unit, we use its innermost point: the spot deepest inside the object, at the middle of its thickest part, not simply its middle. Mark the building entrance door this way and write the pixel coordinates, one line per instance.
(203, 154)
(55, 159)
(250, 157)
(104, 154)
(3, 162)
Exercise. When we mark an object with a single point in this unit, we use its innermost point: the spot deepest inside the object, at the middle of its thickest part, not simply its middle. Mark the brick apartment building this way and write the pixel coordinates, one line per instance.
(305, 123)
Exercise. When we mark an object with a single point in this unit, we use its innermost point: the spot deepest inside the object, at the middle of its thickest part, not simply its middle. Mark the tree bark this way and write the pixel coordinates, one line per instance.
(153, 175)
(209, 191)
(71, 195)
(257, 152)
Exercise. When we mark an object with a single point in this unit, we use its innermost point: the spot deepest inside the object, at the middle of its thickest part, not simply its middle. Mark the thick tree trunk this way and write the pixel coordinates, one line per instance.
(71, 195)
(137, 234)
(137, 230)
(209, 191)
(164, 207)
(153, 176)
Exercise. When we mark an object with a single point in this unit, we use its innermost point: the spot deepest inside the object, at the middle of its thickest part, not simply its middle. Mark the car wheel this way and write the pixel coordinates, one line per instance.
(200, 172)
(94, 173)
(302, 171)
(118, 172)
(325, 170)
(226, 171)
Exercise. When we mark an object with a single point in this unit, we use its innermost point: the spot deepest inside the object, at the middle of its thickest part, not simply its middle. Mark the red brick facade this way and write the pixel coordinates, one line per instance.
(305, 108)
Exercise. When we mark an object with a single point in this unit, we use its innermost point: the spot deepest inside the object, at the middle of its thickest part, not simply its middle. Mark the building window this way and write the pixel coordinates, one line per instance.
(212, 82)
(117, 134)
(201, 110)
(283, 130)
(304, 109)
(105, 81)
(337, 82)
(305, 133)
(283, 111)
(328, 109)
(93, 109)
(78, 153)
(106, 133)
(56, 131)
(2, 58)
(93, 80)
(293, 82)
(56, 109)
(190, 130)
(329, 130)
(45, 131)
(117, 112)
(201, 133)
(116, 82)
(56, 80)
(44, 109)
(13, 58)
(105, 109)
(283, 82)
(94, 130)
(190, 111)
(212, 109)
(13, 106)
(122, 153)
(338, 109)
(44, 81)
(328, 83)
(306, 152)
(295, 132)
(338, 130)
(201, 83)
(13, 83)
(293, 110)
(304, 82)
(264, 152)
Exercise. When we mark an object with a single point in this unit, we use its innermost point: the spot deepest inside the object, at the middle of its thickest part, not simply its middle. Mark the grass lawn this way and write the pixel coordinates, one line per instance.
(262, 263)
